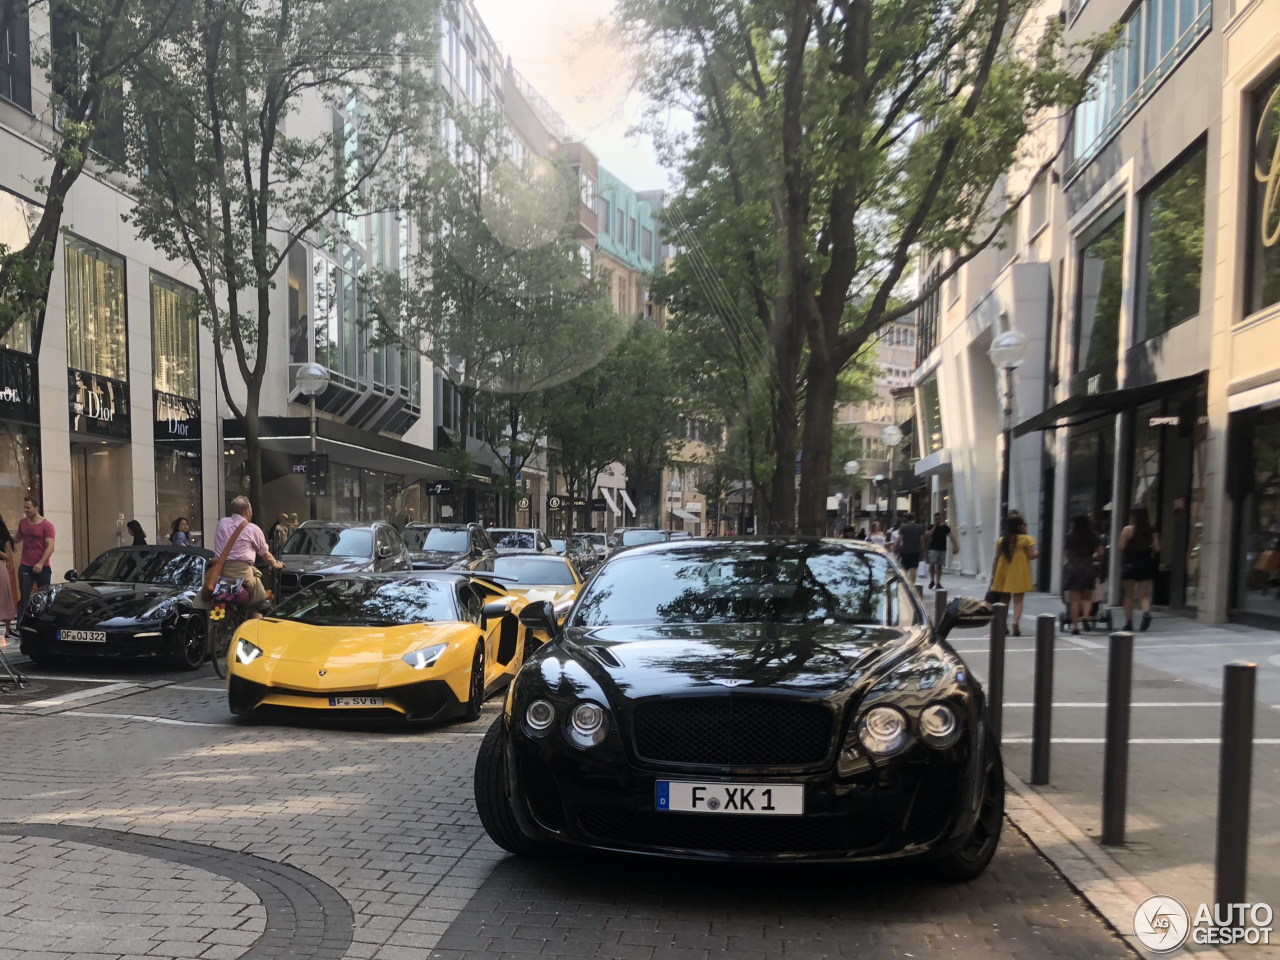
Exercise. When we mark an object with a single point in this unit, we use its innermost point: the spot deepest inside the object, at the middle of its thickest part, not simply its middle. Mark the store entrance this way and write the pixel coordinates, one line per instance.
(101, 500)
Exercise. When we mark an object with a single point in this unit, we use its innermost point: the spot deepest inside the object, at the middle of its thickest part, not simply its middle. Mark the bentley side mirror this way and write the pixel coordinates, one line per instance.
(70, 576)
(541, 616)
(964, 613)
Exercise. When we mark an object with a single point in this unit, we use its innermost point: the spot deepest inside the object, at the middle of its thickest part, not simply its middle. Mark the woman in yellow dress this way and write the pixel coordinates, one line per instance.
(1011, 571)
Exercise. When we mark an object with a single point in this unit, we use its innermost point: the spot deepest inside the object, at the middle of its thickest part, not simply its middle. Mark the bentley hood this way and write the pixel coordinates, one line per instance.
(310, 563)
(434, 559)
(809, 659)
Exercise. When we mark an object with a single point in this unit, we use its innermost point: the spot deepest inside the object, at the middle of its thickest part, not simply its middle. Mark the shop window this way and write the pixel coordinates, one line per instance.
(1258, 590)
(15, 63)
(1098, 304)
(1172, 247)
(96, 329)
(179, 492)
(18, 220)
(19, 468)
(174, 338)
(1264, 210)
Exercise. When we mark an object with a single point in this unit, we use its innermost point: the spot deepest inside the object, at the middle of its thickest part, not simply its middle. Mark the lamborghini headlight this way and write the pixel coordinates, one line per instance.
(426, 657)
(247, 652)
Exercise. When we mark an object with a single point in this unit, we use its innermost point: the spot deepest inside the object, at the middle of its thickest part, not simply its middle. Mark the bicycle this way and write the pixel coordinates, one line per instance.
(230, 609)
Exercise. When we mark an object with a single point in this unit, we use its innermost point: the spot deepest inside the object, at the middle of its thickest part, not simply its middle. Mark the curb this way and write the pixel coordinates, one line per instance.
(1110, 889)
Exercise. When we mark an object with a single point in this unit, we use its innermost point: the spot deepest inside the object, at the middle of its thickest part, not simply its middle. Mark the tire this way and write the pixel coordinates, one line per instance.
(220, 632)
(492, 803)
(980, 846)
(192, 645)
(475, 690)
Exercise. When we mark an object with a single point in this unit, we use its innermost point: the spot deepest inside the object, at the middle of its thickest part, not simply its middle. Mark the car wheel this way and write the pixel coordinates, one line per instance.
(475, 698)
(492, 802)
(980, 846)
(191, 645)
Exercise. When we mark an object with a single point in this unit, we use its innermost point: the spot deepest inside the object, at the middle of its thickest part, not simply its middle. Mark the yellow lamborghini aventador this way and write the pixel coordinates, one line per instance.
(429, 646)
(540, 576)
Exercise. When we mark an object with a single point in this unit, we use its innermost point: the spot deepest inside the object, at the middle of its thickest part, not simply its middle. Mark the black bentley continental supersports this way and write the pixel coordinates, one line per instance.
(748, 699)
(129, 602)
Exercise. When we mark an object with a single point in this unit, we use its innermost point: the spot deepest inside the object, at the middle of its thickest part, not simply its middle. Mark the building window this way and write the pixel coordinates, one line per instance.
(71, 59)
(619, 227)
(930, 417)
(646, 244)
(15, 63)
(96, 328)
(1098, 304)
(1264, 220)
(18, 220)
(1172, 247)
(927, 320)
(174, 338)
(1257, 459)
(632, 243)
(1038, 205)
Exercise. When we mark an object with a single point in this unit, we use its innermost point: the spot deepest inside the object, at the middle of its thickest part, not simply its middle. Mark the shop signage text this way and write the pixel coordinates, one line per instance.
(176, 418)
(98, 405)
(19, 388)
(1164, 421)
(1270, 176)
(523, 503)
(439, 488)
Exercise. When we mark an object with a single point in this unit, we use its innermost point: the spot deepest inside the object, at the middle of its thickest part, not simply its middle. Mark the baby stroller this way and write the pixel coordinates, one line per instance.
(1098, 614)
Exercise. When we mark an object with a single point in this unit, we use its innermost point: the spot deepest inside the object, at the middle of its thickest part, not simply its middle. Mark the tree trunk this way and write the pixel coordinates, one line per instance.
(782, 490)
(253, 450)
(815, 462)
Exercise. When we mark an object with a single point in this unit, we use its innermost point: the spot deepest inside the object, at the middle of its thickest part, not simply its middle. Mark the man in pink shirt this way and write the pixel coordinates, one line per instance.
(250, 545)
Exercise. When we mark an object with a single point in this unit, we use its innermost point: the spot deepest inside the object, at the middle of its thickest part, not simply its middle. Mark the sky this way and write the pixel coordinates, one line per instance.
(562, 47)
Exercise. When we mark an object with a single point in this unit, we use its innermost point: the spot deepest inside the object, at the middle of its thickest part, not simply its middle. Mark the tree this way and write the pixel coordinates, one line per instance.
(93, 45)
(862, 132)
(264, 123)
(499, 296)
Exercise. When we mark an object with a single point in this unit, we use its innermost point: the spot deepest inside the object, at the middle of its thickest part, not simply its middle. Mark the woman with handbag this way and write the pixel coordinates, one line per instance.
(1139, 547)
(1011, 570)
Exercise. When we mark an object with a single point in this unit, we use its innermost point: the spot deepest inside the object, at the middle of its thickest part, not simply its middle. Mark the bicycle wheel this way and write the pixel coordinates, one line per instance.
(220, 632)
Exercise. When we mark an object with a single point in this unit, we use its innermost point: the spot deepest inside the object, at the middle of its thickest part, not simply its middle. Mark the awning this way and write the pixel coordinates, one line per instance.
(1084, 408)
(608, 499)
(627, 500)
(687, 516)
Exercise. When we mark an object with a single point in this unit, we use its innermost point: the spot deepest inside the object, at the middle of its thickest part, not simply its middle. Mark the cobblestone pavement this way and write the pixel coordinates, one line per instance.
(386, 819)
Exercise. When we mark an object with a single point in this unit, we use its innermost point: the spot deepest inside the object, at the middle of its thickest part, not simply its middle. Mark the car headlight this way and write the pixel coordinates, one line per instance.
(39, 602)
(247, 652)
(882, 731)
(159, 611)
(939, 725)
(539, 716)
(588, 724)
(426, 657)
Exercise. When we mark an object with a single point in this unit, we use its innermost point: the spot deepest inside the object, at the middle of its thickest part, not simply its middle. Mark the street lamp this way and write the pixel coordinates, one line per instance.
(851, 469)
(892, 436)
(1008, 351)
(673, 486)
(312, 380)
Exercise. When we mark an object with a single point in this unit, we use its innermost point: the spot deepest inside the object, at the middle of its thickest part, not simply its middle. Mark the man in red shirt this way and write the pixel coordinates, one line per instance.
(36, 535)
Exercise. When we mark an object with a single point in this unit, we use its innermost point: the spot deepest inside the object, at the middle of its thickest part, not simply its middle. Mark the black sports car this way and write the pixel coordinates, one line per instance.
(129, 602)
(753, 699)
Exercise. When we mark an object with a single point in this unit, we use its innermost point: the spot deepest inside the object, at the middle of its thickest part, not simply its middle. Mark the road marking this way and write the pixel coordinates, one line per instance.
(141, 719)
(36, 676)
(81, 695)
(1144, 703)
(1149, 741)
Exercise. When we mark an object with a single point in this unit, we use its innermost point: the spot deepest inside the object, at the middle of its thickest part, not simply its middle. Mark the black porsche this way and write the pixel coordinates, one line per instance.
(129, 602)
(748, 699)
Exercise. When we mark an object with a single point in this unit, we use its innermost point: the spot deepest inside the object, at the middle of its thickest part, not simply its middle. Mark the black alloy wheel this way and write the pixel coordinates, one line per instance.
(980, 846)
(492, 802)
(191, 645)
(475, 698)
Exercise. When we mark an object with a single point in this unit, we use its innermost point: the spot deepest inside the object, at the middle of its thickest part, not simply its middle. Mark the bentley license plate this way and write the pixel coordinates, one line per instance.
(355, 701)
(83, 636)
(770, 799)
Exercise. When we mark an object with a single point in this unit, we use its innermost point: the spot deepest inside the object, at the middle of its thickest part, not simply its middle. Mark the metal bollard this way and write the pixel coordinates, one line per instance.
(1235, 775)
(1115, 762)
(1042, 709)
(919, 588)
(995, 671)
(939, 605)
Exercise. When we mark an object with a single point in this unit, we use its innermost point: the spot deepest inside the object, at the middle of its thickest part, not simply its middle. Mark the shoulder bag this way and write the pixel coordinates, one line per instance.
(213, 572)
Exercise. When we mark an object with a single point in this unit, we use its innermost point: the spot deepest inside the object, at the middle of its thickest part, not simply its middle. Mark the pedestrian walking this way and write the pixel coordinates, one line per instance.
(911, 547)
(1080, 570)
(877, 534)
(180, 533)
(1011, 570)
(1139, 564)
(139, 535)
(36, 534)
(8, 578)
(279, 533)
(939, 536)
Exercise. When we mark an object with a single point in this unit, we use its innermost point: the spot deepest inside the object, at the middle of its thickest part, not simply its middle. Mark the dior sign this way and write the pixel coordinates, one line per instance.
(177, 419)
(98, 405)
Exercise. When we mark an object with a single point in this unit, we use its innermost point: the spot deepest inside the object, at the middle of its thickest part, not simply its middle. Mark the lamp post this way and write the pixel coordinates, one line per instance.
(851, 469)
(892, 436)
(672, 487)
(312, 380)
(1008, 351)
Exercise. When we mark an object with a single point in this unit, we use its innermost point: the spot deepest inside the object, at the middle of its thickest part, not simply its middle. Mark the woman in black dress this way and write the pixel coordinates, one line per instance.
(1139, 546)
(1080, 574)
(139, 535)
